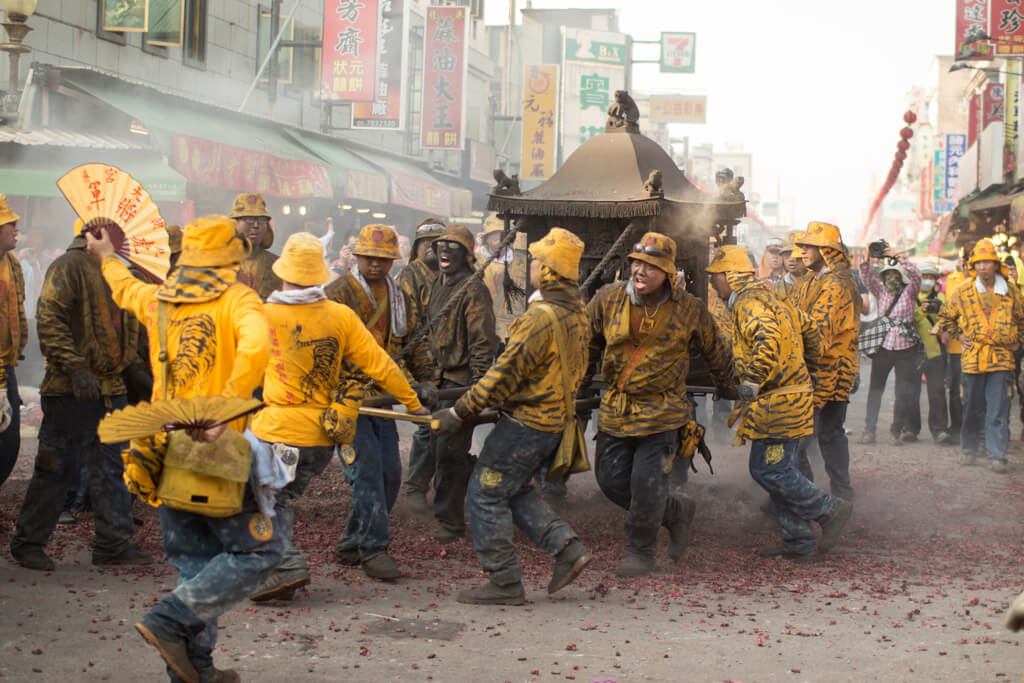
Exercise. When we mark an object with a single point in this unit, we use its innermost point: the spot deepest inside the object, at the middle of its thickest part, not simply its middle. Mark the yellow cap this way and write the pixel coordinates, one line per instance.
(211, 241)
(377, 241)
(492, 224)
(6, 215)
(174, 238)
(658, 250)
(302, 261)
(559, 250)
(984, 250)
(730, 259)
(249, 204)
(821, 235)
(459, 234)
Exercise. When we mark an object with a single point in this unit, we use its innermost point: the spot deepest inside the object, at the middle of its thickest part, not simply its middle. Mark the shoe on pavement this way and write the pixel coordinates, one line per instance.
(867, 437)
(281, 585)
(569, 563)
(222, 676)
(382, 567)
(681, 532)
(635, 565)
(897, 440)
(492, 594)
(174, 653)
(832, 524)
(967, 460)
(908, 437)
(416, 503)
(349, 556)
(944, 439)
(446, 536)
(999, 466)
(784, 552)
(34, 559)
(66, 518)
(132, 555)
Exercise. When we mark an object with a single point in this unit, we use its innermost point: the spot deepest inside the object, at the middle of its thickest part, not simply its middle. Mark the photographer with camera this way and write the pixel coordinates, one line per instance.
(930, 301)
(896, 287)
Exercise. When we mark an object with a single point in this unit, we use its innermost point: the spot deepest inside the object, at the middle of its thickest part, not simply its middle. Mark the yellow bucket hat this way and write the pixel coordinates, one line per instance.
(6, 215)
(377, 241)
(492, 224)
(658, 250)
(249, 204)
(211, 241)
(730, 259)
(821, 235)
(459, 234)
(984, 250)
(302, 261)
(559, 250)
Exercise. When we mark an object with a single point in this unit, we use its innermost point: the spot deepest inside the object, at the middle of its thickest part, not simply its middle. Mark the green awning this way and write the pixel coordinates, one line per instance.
(33, 173)
(355, 177)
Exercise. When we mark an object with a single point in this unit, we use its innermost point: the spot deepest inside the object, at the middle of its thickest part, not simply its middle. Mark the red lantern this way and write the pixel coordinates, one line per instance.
(907, 133)
(901, 155)
(910, 117)
(903, 145)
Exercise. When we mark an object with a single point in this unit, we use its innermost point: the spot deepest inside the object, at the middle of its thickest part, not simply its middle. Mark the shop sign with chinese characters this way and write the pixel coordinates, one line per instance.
(388, 109)
(971, 21)
(349, 67)
(445, 66)
(539, 116)
(956, 147)
(1006, 25)
(679, 108)
(594, 68)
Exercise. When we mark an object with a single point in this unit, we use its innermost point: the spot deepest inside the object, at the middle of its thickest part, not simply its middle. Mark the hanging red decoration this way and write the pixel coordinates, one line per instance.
(901, 155)
(907, 133)
(902, 147)
(909, 117)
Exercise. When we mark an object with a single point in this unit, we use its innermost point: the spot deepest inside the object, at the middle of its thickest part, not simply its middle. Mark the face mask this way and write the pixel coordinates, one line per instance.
(893, 284)
(927, 284)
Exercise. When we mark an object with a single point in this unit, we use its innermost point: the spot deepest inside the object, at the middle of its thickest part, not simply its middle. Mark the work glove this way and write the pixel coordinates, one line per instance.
(5, 411)
(1015, 615)
(747, 391)
(449, 421)
(427, 393)
(84, 385)
(140, 380)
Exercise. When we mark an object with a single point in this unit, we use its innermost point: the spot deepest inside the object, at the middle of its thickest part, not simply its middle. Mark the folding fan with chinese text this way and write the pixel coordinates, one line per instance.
(199, 412)
(105, 196)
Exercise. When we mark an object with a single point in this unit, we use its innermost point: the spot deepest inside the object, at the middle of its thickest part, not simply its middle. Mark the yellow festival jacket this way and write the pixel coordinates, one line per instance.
(986, 338)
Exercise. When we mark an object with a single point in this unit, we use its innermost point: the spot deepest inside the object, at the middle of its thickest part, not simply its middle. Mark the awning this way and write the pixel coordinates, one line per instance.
(210, 146)
(413, 187)
(35, 175)
(353, 176)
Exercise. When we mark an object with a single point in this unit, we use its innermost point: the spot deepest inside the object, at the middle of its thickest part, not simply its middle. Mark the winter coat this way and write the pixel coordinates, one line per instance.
(987, 339)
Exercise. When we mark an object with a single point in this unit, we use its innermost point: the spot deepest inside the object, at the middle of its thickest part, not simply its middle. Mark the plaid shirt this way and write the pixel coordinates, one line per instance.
(895, 339)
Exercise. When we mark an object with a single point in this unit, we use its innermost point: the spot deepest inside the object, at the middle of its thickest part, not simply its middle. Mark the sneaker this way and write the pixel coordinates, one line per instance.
(944, 439)
(635, 565)
(569, 563)
(967, 460)
(908, 437)
(897, 440)
(34, 559)
(492, 594)
(785, 553)
(132, 555)
(867, 437)
(999, 466)
(66, 518)
(174, 653)
(281, 585)
(446, 536)
(382, 567)
(832, 524)
(349, 556)
(681, 532)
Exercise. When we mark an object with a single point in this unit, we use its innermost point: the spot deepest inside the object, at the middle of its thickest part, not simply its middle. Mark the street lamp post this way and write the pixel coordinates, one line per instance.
(18, 12)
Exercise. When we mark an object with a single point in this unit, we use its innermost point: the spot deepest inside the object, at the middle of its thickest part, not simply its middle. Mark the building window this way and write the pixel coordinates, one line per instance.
(113, 36)
(194, 51)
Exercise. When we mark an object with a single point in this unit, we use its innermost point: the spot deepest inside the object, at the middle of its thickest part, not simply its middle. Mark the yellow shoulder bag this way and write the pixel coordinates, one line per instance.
(571, 456)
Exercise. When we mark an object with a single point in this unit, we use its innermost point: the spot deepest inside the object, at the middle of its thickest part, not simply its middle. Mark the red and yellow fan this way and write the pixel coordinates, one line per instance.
(105, 196)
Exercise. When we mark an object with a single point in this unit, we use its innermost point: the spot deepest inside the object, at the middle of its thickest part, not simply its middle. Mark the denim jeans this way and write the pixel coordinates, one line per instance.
(10, 439)
(907, 389)
(312, 461)
(422, 462)
(631, 473)
(797, 501)
(502, 498)
(953, 384)
(375, 476)
(935, 381)
(829, 425)
(986, 406)
(68, 433)
(220, 561)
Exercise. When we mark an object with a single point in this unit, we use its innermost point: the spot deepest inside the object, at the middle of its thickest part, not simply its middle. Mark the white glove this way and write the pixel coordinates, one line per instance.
(5, 411)
(1015, 615)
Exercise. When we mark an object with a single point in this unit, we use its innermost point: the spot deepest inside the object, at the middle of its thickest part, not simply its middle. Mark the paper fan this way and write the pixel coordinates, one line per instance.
(199, 412)
(106, 196)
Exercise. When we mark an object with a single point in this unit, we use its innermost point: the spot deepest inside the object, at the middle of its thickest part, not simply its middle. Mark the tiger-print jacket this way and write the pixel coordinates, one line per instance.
(987, 343)
(652, 397)
(257, 272)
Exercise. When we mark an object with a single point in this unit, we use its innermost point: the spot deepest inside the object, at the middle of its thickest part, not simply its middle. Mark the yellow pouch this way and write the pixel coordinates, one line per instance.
(205, 478)
(339, 418)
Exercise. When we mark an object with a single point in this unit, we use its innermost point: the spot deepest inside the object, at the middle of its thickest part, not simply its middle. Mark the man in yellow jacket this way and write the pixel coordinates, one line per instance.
(772, 344)
(216, 343)
(253, 219)
(309, 338)
(643, 330)
(986, 314)
(831, 298)
(527, 383)
(789, 285)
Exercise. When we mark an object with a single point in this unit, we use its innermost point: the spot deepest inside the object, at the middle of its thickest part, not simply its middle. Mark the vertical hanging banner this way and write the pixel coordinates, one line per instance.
(1011, 123)
(1006, 25)
(971, 21)
(540, 102)
(956, 148)
(941, 203)
(594, 67)
(445, 64)
(973, 119)
(993, 104)
(349, 65)
(388, 109)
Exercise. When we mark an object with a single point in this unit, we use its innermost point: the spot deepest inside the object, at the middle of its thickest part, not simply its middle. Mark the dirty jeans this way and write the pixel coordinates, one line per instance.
(501, 497)
(907, 389)
(454, 465)
(375, 476)
(631, 473)
(835, 447)
(422, 463)
(796, 500)
(68, 433)
(935, 383)
(220, 562)
(953, 384)
(10, 439)
(986, 405)
(312, 461)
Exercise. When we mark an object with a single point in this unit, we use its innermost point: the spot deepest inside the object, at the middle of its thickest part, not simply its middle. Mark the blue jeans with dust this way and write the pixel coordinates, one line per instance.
(986, 406)
(375, 476)
(312, 461)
